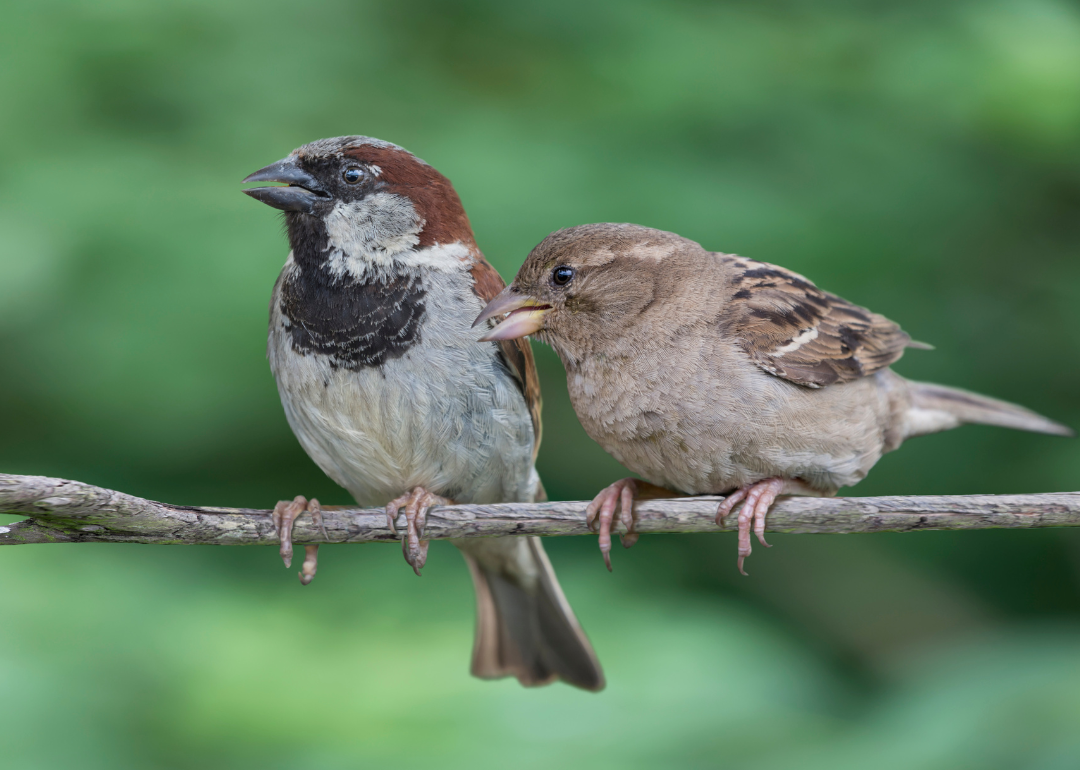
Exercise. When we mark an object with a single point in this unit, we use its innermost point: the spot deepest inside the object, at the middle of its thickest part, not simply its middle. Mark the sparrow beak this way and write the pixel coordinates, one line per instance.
(526, 316)
(300, 194)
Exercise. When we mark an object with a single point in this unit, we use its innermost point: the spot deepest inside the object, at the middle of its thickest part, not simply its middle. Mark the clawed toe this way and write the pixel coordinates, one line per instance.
(285, 515)
(729, 503)
(310, 565)
(758, 499)
(416, 504)
(600, 515)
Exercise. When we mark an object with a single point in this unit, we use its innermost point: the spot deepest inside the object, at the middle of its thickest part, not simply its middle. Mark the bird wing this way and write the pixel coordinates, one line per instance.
(794, 330)
(517, 354)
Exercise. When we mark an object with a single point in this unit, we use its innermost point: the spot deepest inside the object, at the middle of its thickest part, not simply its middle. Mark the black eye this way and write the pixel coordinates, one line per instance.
(352, 175)
(562, 275)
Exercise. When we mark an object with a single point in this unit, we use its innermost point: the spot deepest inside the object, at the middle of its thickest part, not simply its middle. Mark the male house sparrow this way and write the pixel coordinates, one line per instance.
(389, 392)
(709, 373)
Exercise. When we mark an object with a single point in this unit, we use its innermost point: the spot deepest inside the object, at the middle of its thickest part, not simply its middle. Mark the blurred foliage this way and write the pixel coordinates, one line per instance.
(920, 158)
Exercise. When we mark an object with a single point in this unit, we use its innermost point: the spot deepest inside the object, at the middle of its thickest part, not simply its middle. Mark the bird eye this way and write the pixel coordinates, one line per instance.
(352, 175)
(562, 275)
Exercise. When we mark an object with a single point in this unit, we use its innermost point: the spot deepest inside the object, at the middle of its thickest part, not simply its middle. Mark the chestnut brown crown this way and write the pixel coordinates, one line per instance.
(323, 174)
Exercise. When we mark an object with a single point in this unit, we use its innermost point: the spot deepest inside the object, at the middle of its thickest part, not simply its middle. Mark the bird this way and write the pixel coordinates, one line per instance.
(389, 390)
(709, 373)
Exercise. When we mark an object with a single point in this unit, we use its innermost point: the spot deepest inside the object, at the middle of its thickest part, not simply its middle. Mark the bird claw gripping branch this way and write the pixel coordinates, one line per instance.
(416, 503)
(286, 512)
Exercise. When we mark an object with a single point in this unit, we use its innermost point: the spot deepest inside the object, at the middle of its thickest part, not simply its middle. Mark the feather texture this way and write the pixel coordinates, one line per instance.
(389, 389)
(794, 330)
(517, 354)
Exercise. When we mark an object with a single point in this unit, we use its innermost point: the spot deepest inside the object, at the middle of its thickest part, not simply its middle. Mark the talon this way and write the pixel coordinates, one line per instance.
(311, 564)
(746, 517)
(600, 515)
(391, 515)
(315, 509)
(759, 527)
(421, 521)
(626, 515)
(758, 498)
(286, 512)
(590, 514)
(416, 504)
(729, 502)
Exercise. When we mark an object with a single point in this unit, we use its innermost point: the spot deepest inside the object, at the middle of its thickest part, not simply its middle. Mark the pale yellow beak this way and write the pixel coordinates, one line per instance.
(526, 316)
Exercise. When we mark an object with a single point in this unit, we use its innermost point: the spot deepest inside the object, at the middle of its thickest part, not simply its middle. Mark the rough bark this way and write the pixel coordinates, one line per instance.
(63, 511)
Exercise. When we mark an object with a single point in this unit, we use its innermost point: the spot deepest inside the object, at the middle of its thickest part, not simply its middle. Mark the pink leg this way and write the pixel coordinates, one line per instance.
(620, 494)
(285, 515)
(759, 498)
(311, 563)
(416, 505)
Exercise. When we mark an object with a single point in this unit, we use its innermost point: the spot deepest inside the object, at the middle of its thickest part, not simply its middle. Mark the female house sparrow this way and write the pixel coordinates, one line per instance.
(709, 373)
(384, 383)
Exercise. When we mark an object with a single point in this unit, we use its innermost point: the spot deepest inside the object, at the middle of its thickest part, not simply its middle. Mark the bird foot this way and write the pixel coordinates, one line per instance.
(600, 515)
(416, 503)
(758, 498)
(285, 514)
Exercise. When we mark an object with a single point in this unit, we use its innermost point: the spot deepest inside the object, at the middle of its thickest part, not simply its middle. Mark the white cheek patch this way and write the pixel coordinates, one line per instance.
(377, 237)
(370, 231)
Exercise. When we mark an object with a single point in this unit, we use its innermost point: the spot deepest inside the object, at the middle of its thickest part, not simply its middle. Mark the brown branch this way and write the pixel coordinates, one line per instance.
(62, 511)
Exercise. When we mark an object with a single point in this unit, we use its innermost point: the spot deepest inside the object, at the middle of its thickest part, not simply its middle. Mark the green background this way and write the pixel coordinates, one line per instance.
(920, 158)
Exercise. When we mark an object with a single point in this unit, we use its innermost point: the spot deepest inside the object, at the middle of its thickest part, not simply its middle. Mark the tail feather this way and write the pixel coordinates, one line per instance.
(936, 407)
(524, 625)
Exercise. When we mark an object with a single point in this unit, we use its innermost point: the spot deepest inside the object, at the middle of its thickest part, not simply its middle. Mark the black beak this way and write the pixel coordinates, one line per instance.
(302, 192)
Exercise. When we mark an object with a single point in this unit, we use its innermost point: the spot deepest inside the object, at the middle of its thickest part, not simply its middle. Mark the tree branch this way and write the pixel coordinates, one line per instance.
(72, 512)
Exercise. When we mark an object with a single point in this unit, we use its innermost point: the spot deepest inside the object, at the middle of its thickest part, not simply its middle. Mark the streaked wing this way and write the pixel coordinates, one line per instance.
(794, 330)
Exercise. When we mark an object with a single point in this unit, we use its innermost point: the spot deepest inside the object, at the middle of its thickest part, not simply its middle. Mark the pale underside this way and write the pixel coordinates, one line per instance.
(445, 415)
(733, 425)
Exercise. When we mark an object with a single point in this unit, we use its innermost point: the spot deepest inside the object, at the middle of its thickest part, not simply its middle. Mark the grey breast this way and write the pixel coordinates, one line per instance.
(387, 388)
